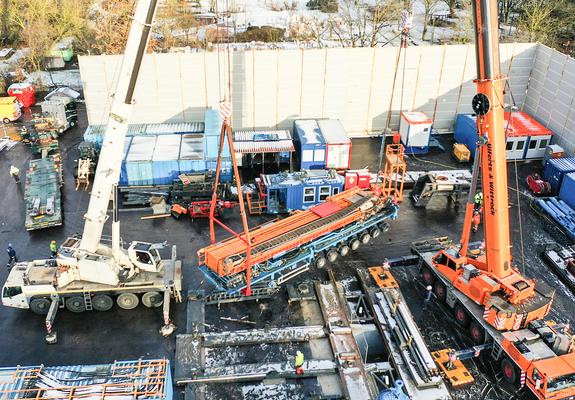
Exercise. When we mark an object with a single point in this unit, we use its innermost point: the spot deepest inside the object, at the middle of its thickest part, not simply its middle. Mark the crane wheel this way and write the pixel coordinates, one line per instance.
(344, 250)
(509, 371)
(375, 233)
(332, 255)
(127, 301)
(320, 261)
(354, 244)
(152, 299)
(440, 290)
(75, 304)
(365, 238)
(427, 275)
(477, 332)
(461, 315)
(40, 305)
(384, 227)
(102, 302)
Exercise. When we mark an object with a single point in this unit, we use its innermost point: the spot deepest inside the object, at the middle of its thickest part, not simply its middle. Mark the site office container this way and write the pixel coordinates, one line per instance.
(555, 169)
(337, 144)
(165, 166)
(415, 131)
(191, 158)
(526, 138)
(567, 192)
(124, 174)
(139, 170)
(310, 144)
(9, 109)
(24, 92)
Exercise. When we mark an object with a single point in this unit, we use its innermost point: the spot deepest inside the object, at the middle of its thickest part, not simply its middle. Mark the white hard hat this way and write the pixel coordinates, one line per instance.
(298, 352)
(429, 287)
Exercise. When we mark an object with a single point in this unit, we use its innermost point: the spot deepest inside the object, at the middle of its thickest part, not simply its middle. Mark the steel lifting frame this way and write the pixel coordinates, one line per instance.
(394, 170)
(227, 132)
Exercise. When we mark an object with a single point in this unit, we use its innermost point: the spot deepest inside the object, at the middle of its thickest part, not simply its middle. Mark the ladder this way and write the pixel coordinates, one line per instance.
(256, 206)
(88, 301)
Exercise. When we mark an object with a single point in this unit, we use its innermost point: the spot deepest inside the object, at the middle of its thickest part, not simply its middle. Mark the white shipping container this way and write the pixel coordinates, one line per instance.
(338, 144)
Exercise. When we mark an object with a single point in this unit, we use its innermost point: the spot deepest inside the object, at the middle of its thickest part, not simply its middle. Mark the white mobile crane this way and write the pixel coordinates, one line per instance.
(88, 274)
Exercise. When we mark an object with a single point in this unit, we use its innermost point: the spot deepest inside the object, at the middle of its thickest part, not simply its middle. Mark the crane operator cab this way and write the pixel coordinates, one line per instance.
(146, 256)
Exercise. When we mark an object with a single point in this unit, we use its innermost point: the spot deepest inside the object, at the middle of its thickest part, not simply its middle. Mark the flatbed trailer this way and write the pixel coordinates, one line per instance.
(42, 193)
(285, 248)
(32, 285)
(543, 352)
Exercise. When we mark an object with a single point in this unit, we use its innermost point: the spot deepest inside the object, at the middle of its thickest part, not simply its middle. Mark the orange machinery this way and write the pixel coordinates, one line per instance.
(281, 249)
(488, 295)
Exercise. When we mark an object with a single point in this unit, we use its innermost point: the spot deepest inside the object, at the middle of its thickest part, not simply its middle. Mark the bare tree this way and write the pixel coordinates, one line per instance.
(506, 7)
(111, 21)
(429, 7)
(362, 25)
(537, 22)
(308, 29)
(452, 4)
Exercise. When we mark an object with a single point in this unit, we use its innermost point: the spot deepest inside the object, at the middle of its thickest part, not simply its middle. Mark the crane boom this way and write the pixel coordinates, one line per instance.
(490, 124)
(110, 161)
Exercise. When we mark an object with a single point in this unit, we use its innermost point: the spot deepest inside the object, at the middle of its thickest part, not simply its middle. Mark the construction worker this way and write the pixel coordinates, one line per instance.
(298, 363)
(15, 172)
(53, 249)
(12, 257)
(478, 200)
(427, 296)
(476, 220)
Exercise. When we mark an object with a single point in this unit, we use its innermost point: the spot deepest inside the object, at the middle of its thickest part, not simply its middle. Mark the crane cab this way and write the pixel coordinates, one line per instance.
(145, 256)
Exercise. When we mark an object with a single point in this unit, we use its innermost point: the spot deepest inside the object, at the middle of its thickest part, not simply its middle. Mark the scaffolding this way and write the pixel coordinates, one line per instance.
(394, 172)
(148, 379)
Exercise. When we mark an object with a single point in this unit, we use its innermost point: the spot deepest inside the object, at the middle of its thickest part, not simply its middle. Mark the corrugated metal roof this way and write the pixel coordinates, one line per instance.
(277, 146)
(142, 148)
(333, 131)
(167, 148)
(261, 136)
(192, 147)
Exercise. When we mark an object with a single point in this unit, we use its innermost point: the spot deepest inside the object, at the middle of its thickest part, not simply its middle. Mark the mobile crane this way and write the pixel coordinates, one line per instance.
(88, 274)
(488, 295)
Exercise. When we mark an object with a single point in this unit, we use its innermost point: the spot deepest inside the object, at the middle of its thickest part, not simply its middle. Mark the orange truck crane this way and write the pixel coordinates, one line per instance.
(488, 295)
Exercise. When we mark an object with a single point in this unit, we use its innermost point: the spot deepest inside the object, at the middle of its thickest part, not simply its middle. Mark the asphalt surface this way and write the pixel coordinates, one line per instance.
(118, 334)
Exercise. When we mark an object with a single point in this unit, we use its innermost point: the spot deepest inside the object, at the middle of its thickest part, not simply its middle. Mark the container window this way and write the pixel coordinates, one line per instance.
(324, 192)
(334, 191)
(532, 144)
(319, 155)
(520, 145)
(543, 143)
(509, 146)
(307, 155)
(309, 195)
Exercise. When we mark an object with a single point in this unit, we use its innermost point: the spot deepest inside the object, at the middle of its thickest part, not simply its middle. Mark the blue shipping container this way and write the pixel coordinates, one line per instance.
(139, 161)
(310, 144)
(226, 169)
(466, 131)
(123, 175)
(555, 169)
(212, 145)
(567, 192)
(213, 123)
(165, 165)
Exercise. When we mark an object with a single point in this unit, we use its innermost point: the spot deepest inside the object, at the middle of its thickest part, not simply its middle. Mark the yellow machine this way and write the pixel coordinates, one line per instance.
(9, 109)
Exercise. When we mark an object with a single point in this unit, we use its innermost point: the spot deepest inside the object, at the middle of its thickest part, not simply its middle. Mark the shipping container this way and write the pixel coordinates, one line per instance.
(337, 144)
(212, 147)
(555, 169)
(191, 158)
(139, 379)
(123, 174)
(526, 138)
(415, 131)
(213, 122)
(139, 161)
(226, 173)
(286, 192)
(567, 192)
(165, 166)
(309, 144)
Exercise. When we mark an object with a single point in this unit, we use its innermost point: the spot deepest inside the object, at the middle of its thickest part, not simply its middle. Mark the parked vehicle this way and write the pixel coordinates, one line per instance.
(9, 109)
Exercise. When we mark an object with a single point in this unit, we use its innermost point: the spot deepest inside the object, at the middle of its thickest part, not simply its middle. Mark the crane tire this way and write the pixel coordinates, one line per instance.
(127, 301)
(75, 304)
(332, 255)
(40, 305)
(102, 302)
(509, 371)
(152, 299)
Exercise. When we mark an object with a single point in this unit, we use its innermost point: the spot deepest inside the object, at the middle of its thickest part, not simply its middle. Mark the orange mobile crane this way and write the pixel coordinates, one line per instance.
(487, 293)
